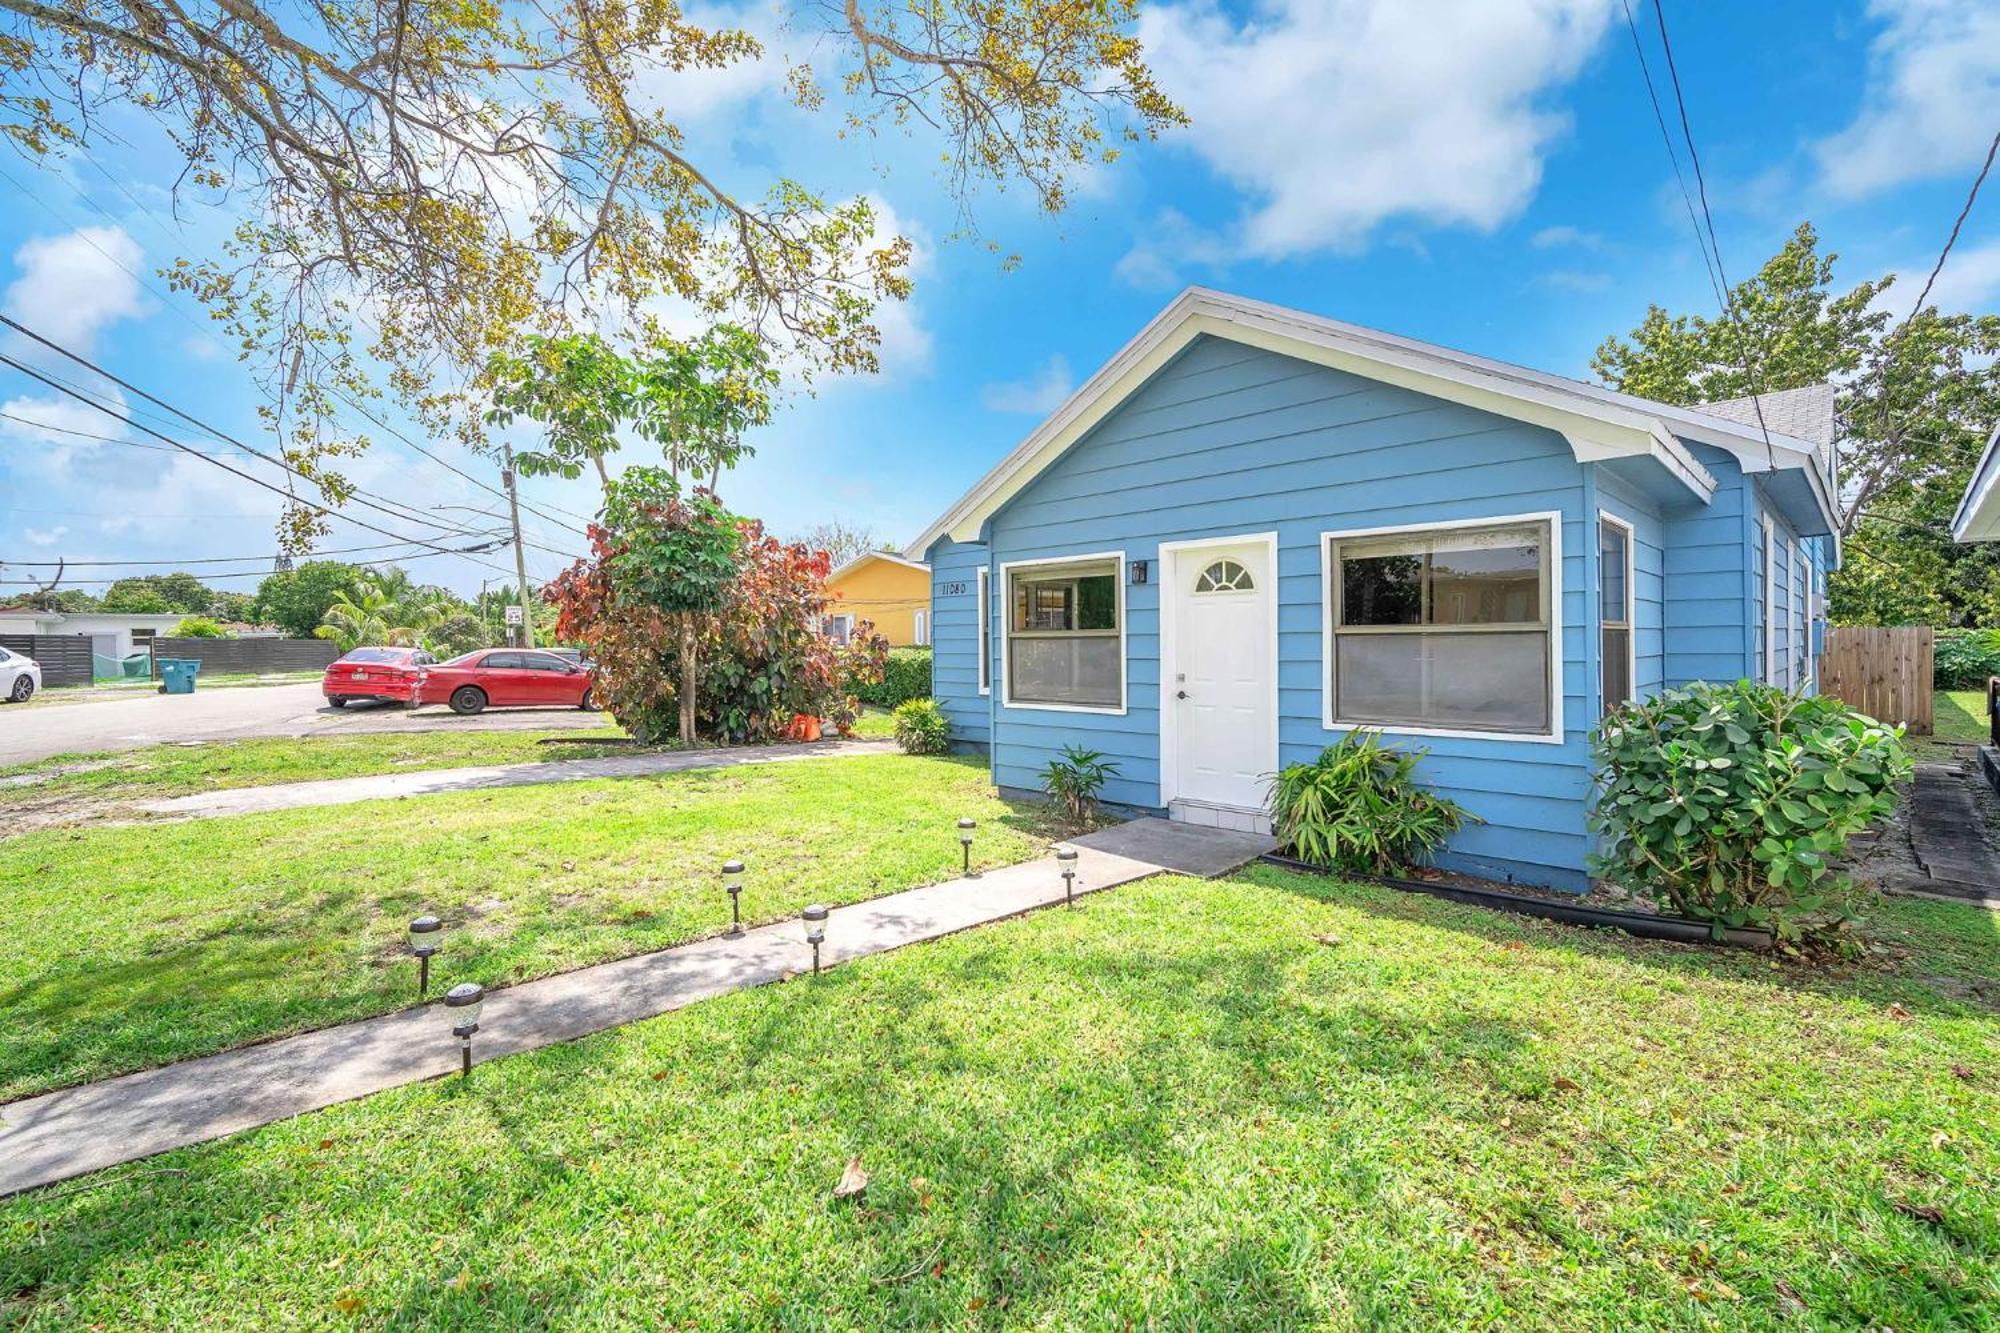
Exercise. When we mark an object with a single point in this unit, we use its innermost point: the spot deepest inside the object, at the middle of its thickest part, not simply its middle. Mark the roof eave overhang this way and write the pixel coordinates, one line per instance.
(1978, 516)
(1600, 432)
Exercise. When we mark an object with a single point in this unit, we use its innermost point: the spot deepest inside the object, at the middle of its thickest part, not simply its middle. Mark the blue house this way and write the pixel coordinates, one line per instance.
(1255, 529)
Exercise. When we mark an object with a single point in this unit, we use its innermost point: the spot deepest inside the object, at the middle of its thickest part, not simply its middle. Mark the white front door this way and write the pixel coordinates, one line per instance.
(1220, 686)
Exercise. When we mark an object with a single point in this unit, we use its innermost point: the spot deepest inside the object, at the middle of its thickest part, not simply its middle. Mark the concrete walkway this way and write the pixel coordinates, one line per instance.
(388, 786)
(77, 1130)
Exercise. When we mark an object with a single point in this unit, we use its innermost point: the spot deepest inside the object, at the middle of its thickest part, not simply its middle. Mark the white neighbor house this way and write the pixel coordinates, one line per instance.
(112, 634)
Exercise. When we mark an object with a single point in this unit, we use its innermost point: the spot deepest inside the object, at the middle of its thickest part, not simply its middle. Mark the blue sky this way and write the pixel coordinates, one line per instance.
(1482, 175)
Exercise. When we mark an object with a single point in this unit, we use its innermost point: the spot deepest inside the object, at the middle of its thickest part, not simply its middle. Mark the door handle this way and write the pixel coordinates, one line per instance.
(1180, 694)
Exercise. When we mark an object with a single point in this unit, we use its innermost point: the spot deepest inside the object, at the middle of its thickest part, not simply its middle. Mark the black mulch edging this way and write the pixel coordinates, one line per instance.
(1644, 925)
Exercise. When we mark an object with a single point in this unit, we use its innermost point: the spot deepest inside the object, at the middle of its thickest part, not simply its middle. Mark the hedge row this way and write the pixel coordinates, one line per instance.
(1966, 657)
(908, 677)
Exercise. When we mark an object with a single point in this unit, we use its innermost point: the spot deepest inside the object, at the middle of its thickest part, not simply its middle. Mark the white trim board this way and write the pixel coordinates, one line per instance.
(1598, 423)
(1631, 606)
(1007, 620)
(1554, 736)
(1169, 556)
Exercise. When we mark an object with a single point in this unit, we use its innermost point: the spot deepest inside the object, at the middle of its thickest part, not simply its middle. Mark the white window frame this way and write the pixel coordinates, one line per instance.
(1605, 516)
(982, 640)
(1800, 581)
(845, 620)
(920, 627)
(1007, 700)
(1770, 602)
(1553, 736)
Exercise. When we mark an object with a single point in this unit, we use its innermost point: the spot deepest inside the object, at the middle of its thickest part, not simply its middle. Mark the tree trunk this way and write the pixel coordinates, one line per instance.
(687, 679)
(603, 475)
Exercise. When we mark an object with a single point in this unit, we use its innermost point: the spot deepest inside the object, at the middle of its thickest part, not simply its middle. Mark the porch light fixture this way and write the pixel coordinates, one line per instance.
(1066, 860)
(965, 827)
(461, 1010)
(815, 919)
(426, 934)
(732, 880)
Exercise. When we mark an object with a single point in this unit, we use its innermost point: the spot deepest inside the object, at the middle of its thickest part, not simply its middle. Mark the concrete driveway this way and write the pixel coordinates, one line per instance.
(28, 734)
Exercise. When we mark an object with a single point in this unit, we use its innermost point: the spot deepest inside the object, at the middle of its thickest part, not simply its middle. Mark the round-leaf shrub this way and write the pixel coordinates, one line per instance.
(1729, 803)
(1966, 658)
(921, 727)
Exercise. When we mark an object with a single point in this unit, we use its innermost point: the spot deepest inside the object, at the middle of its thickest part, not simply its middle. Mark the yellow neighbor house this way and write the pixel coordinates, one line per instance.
(892, 592)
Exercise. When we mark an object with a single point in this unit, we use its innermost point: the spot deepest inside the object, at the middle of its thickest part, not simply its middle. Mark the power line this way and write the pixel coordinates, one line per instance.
(1956, 225)
(107, 580)
(1701, 188)
(264, 556)
(84, 434)
(367, 499)
(192, 323)
(211, 459)
(1666, 137)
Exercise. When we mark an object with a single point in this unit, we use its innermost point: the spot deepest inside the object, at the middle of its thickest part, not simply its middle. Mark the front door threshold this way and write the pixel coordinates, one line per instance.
(1209, 814)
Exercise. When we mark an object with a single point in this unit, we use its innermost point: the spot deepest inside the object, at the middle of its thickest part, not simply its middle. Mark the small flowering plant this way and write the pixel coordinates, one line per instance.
(1729, 804)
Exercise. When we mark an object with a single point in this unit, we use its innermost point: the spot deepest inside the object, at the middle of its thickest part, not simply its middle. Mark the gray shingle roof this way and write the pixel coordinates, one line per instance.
(1805, 414)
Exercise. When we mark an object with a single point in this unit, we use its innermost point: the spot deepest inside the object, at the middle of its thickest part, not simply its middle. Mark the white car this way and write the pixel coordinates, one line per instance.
(20, 677)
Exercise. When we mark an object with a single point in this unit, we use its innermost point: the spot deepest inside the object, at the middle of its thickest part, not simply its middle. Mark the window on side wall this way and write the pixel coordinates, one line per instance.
(985, 636)
(1614, 597)
(1444, 629)
(921, 631)
(1064, 635)
(840, 628)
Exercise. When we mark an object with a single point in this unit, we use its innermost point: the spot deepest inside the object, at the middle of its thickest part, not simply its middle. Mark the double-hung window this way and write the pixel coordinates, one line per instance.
(1443, 629)
(1614, 597)
(1065, 641)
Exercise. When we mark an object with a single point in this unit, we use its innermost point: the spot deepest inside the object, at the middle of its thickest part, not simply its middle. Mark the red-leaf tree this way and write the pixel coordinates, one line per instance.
(674, 581)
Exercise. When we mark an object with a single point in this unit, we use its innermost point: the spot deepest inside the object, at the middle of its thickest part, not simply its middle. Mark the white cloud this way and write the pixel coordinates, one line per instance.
(1566, 238)
(1332, 116)
(44, 536)
(1037, 395)
(1969, 284)
(1577, 281)
(700, 93)
(1155, 261)
(1932, 99)
(72, 286)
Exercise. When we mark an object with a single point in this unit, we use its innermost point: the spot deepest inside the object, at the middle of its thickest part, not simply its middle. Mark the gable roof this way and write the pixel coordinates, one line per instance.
(1978, 516)
(1597, 422)
(1804, 414)
(862, 559)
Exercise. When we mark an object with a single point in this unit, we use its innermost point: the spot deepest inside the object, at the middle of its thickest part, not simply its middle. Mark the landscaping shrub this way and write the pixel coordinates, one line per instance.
(921, 727)
(199, 627)
(1358, 806)
(1966, 657)
(906, 676)
(1074, 778)
(635, 607)
(1728, 804)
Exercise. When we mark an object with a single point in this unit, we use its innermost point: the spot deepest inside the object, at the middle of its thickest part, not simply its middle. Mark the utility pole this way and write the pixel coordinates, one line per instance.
(520, 551)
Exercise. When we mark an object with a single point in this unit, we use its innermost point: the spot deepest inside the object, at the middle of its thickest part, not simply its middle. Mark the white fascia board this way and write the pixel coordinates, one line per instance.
(1593, 429)
(1978, 516)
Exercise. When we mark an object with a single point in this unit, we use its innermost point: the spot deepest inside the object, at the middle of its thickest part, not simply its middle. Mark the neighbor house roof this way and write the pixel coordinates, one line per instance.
(862, 559)
(1598, 423)
(1978, 517)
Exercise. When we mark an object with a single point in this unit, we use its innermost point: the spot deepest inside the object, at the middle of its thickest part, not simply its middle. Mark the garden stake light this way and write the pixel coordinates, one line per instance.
(965, 827)
(461, 1009)
(1066, 858)
(424, 940)
(732, 880)
(815, 917)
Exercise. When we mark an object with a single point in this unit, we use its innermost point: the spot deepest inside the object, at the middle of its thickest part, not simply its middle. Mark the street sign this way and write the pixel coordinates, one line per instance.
(513, 615)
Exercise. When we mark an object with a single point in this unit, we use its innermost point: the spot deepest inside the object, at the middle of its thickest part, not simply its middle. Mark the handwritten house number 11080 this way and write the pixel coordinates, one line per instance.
(957, 588)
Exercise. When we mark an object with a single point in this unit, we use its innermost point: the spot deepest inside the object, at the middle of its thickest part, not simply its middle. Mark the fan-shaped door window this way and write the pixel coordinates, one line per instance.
(1224, 576)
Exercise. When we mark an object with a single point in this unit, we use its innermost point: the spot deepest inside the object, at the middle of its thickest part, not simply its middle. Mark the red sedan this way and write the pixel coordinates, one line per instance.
(505, 678)
(388, 674)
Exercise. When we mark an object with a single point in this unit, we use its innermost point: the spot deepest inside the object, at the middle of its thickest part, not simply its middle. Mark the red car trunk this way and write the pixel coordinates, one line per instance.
(389, 674)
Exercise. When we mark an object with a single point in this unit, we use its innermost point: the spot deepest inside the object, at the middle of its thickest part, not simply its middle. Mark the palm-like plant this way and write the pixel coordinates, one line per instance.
(369, 616)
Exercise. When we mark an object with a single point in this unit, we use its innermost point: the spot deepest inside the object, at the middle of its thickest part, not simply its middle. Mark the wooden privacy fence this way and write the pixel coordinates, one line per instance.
(64, 658)
(1887, 673)
(262, 655)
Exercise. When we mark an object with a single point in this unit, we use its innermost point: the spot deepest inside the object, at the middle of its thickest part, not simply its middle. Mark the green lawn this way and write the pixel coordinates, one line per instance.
(176, 770)
(1175, 1107)
(1959, 715)
(132, 946)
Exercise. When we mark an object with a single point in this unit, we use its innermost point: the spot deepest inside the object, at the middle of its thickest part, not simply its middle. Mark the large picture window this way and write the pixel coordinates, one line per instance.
(1614, 610)
(1442, 629)
(1064, 634)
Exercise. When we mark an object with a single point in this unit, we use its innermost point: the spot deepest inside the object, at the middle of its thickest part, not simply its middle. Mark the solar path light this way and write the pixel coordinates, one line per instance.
(426, 934)
(732, 880)
(815, 919)
(965, 827)
(461, 1010)
(1066, 859)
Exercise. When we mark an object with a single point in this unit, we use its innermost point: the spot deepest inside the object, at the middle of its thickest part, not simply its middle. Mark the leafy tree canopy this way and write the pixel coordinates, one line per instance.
(1916, 401)
(297, 598)
(160, 594)
(468, 173)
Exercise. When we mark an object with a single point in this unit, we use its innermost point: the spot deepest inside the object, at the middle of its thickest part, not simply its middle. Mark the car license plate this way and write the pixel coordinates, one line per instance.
(361, 675)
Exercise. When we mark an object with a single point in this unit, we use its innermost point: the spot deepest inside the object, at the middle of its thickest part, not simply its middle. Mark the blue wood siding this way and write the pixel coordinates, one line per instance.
(955, 570)
(1230, 440)
(1710, 580)
(1649, 641)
